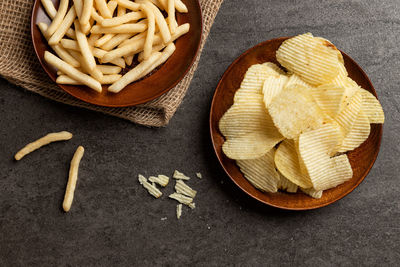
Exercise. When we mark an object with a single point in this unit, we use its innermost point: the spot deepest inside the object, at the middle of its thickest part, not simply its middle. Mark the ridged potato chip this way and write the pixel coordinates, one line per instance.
(288, 164)
(254, 79)
(261, 172)
(371, 107)
(315, 60)
(294, 111)
(348, 115)
(248, 129)
(250, 146)
(315, 149)
(312, 192)
(273, 85)
(358, 133)
(295, 79)
(329, 98)
(286, 185)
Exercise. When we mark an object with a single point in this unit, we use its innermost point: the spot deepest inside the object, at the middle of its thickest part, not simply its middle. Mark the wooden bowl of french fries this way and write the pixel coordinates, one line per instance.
(116, 53)
(282, 152)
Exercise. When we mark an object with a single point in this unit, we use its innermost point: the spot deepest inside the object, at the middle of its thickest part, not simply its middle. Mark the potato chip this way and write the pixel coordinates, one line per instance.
(358, 133)
(180, 176)
(286, 185)
(287, 163)
(371, 107)
(254, 79)
(182, 188)
(315, 60)
(273, 85)
(315, 149)
(329, 98)
(248, 129)
(294, 111)
(261, 172)
(160, 179)
(348, 115)
(295, 79)
(312, 192)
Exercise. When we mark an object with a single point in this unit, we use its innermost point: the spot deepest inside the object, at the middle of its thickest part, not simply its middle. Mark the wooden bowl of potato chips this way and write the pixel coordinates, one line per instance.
(360, 160)
(93, 54)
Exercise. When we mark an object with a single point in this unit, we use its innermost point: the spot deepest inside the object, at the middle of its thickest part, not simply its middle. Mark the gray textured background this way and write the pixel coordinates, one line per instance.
(114, 222)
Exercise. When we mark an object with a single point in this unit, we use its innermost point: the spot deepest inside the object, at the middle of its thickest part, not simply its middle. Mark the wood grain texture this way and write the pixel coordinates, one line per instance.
(152, 86)
(361, 159)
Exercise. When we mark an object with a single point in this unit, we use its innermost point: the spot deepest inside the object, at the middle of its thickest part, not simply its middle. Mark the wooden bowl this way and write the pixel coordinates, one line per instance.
(361, 159)
(149, 88)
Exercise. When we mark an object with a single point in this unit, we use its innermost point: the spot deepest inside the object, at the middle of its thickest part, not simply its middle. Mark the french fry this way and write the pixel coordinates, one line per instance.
(162, 25)
(110, 78)
(128, 60)
(156, 48)
(96, 16)
(78, 4)
(70, 44)
(60, 51)
(86, 12)
(132, 48)
(150, 30)
(103, 9)
(64, 79)
(84, 47)
(104, 39)
(112, 5)
(158, 4)
(49, 138)
(168, 51)
(180, 6)
(133, 74)
(71, 71)
(132, 40)
(62, 10)
(121, 11)
(99, 53)
(162, 3)
(171, 16)
(93, 38)
(63, 27)
(116, 21)
(129, 5)
(116, 40)
(125, 28)
(49, 8)
(108, 69)
(85, 28)
(51, 12)
(95, 72)
(73, 177)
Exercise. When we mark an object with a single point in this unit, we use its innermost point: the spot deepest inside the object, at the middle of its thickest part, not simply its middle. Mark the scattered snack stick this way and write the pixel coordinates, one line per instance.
(182, 188)
(188, 201)
(180, 176)
(178, 211)
(198, 174)
(49, 138)
(150, 188)
(73, 177)
(160, 179)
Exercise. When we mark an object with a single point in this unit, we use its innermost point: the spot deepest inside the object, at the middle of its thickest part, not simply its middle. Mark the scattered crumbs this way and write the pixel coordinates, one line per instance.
(198, 174)
(150, 188)
(180, 176)
(182, 199)
(160, 179)
(222, 182)
(178, 211)
(163, 218)
(182, 188)
(208, 227)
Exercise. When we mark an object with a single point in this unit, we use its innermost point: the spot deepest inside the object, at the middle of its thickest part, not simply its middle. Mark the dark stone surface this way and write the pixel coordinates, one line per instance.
(113, 221)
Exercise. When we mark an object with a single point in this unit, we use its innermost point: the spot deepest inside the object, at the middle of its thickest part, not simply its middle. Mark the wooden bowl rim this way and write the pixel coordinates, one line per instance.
(35, 8)
(213, 104)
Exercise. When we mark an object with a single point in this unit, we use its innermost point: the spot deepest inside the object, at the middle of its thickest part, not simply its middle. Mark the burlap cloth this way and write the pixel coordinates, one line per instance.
(19, 65)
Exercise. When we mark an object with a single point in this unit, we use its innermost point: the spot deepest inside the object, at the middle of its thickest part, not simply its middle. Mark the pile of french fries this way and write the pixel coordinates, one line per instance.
(95, 40)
